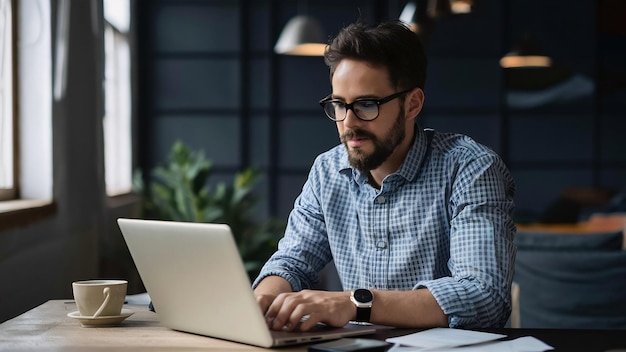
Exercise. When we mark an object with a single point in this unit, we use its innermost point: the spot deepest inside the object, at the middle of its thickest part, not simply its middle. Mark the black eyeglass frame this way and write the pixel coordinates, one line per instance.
(350, 106)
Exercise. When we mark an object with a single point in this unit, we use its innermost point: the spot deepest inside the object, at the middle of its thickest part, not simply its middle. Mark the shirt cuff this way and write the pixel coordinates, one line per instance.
(455, 299)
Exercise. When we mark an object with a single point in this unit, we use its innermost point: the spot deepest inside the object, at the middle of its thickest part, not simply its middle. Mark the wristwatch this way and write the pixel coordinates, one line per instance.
(362, 299)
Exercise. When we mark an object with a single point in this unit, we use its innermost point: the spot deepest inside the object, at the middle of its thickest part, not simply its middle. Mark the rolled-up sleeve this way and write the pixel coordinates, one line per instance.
(482, 253)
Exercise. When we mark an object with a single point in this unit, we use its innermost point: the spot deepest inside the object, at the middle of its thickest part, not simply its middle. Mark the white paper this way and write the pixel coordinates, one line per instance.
(140, 299)
(530, 344)
(444, 337)
(521, 344)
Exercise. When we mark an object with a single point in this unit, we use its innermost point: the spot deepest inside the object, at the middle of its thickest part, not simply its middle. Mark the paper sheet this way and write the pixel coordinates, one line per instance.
(444, 337)
(456, 340)
(522, 344)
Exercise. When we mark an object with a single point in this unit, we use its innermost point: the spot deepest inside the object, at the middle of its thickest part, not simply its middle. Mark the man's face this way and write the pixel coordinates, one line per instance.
(369, 143)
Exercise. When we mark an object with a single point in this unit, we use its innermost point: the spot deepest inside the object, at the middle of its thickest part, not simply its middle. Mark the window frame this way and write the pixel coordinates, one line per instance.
(23, 205)
(123, 187)
(12, 192)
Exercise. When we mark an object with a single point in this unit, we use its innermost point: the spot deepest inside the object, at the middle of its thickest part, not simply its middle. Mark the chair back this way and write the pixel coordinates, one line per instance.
(582, 287)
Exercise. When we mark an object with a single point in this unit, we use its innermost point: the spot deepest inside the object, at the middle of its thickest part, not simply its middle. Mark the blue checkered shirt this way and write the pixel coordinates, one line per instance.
(442, 221)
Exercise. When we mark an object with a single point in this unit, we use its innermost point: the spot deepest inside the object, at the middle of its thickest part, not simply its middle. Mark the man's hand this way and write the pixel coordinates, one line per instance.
(268, 289)
(264, 301)
(287, 310)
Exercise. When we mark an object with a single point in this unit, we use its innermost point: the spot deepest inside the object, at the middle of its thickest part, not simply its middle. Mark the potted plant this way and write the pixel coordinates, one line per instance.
(179, 190)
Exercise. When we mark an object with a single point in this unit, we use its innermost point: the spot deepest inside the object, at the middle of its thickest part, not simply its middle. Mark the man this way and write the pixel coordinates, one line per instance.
(418, 223)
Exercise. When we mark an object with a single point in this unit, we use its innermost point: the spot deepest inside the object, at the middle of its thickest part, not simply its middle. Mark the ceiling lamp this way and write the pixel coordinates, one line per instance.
(302, 35)
(526, 53)
(461, 6)
(419, 14)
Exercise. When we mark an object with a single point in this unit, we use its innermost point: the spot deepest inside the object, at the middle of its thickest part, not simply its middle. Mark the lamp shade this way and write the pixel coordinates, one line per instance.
(302, 35)
(461, 6)
(525, 53)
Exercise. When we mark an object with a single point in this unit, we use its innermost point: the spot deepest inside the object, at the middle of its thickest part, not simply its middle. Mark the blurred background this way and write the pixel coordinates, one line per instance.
(206, 73)
(210, 77)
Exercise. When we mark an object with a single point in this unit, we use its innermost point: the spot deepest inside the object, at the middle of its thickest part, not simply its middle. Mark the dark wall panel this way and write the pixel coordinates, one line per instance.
(303, 82)
(538, 188)
(197, 27)
(540, 137)
(196, 83)
(482, 127)
(259, 73)
(463, 83)
(217, 137)
(212, 80)
(304, 138)
(613, 142)
(260, 141)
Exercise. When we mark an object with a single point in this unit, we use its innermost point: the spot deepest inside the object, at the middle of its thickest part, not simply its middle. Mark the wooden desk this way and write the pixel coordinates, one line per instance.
(47, 328)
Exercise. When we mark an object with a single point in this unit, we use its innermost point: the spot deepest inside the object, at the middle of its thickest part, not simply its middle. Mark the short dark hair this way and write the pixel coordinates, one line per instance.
(390, 44)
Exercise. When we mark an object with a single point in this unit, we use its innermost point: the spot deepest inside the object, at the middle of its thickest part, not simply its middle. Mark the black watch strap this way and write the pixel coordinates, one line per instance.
(363, 314)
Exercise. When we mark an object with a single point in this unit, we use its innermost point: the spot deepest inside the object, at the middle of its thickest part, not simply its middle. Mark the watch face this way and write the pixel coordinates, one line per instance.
(363, 296)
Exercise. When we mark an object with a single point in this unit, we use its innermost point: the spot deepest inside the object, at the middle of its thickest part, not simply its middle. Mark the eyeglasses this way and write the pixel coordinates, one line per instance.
(366, 109)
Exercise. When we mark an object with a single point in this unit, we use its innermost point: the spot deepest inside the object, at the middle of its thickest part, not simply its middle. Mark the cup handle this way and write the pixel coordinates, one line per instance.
(107, 295)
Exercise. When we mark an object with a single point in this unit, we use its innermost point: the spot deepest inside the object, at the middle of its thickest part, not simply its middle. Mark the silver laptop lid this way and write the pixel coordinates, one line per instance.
(196, 279)
(197, 282)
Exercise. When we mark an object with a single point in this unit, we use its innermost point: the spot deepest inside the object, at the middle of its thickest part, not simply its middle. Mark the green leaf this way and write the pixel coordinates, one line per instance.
(179, 190)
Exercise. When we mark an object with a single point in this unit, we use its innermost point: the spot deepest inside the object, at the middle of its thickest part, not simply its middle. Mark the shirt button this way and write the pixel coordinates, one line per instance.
(381, 244)
(381, 200)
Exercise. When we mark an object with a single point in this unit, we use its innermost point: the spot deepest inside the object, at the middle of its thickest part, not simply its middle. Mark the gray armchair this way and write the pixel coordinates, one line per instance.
(571, 281)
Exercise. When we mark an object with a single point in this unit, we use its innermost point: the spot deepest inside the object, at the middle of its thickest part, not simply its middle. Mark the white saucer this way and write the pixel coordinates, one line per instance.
(110, 320)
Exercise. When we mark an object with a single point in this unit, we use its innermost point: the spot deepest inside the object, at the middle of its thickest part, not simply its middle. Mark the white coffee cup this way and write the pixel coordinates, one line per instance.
(96, 298)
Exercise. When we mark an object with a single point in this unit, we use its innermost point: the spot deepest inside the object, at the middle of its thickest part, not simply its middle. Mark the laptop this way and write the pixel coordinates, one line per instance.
(198, 284)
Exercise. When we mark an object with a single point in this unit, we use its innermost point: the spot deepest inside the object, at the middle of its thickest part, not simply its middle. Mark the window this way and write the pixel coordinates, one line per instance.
(117, 95)
(33, 163)
(7, 118)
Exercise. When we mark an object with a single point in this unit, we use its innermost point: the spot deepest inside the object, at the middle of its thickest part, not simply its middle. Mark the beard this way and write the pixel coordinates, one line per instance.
(365, 162)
